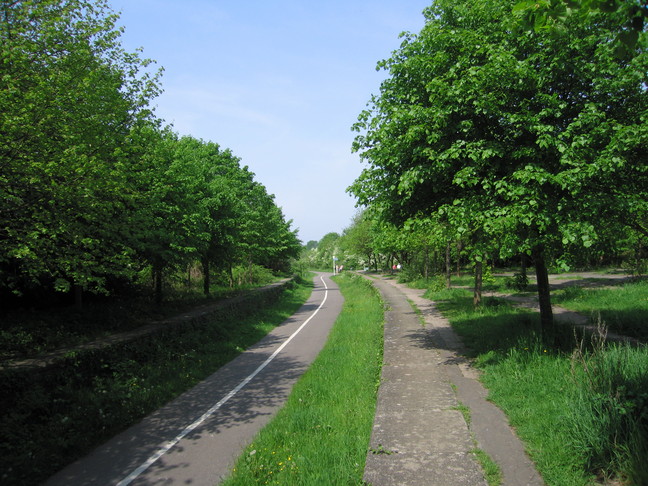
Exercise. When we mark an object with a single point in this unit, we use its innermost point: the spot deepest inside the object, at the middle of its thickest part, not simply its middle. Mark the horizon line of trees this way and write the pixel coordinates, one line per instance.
(95, 189)
(426, 251)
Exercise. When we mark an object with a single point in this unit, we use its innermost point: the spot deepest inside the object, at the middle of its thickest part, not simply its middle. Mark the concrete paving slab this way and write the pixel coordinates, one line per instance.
(416, 469)
(436, 430)
(419, 437)
(400, 389)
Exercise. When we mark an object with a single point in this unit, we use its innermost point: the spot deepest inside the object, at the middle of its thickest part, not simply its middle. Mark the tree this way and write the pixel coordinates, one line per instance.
(70, 97)
(533, 138)
(327, 248)
(166, 230)
(263, 235)
(357, 239)
(552, 15)
(93, 187)
(207, 174)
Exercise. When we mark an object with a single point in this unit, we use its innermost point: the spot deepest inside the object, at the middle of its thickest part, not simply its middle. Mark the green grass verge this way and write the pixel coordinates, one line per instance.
(583, 415)
(52, 416)
(322, 434)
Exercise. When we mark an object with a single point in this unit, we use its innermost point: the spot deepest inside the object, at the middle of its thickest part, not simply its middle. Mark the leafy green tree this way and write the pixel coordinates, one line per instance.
(166, 228)
(532, 136)
(207, 175)
(327, 248)
(70, 97)
(552, 15)
(357, 240)
(93, 188)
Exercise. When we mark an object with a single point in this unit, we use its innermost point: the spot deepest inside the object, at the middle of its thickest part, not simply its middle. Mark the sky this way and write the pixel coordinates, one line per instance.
(278, 82)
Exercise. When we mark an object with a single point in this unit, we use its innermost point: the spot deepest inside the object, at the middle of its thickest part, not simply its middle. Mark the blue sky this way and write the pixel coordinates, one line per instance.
(279, 82)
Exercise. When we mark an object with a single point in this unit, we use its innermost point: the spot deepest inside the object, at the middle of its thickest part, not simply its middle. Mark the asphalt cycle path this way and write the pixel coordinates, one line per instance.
(196, 438)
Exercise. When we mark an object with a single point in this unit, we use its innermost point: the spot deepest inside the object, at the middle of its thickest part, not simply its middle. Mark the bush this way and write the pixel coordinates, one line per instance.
(251, 275)
(409, 274)
(519, 281)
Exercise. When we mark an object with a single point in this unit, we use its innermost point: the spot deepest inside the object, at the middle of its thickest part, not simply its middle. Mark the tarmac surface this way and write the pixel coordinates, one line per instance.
(420, 437)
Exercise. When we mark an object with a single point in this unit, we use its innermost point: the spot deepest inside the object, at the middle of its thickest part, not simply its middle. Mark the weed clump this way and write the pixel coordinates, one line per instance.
(609, 416)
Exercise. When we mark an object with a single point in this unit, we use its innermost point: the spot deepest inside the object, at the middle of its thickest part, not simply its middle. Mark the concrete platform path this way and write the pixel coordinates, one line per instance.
(420, 436)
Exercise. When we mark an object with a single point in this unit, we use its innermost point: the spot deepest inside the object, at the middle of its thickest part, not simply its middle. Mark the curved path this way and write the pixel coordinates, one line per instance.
(196, 438)
(420, 437)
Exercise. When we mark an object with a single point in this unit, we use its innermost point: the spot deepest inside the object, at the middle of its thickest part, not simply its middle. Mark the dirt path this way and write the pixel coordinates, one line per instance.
(566, 316)
(196, 314)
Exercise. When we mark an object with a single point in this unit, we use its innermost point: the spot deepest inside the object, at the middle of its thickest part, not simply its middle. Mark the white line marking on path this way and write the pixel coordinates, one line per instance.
(190, 428)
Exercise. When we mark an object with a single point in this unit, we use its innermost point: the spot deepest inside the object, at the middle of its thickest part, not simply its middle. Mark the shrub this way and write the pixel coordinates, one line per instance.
(519, 281)
(251, 275)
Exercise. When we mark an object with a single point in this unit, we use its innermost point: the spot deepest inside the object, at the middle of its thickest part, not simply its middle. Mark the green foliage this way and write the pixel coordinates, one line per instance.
(553, 16)
(434, 284)
(251, 275)
(488, 279)
(480, 131)
(321, 256)
(93, 188)
(476, 125)
(70, 97)
(519, 281)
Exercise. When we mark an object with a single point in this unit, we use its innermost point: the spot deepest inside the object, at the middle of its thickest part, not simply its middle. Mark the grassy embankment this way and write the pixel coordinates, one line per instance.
(581, 410)
(322, 433)
(52, 416)
(29, 331)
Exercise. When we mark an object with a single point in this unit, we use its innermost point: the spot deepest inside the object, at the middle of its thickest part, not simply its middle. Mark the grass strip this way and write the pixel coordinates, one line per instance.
(322, 434)
(53, 416)
(492, 471)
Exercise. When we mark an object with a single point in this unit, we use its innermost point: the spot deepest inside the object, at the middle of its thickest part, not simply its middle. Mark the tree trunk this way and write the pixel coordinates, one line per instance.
(78, 296)
(157, 281)
(523, 265)
(478, 283)
(206, 279)
(448, 270)
(426, 268)
(544, 297)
